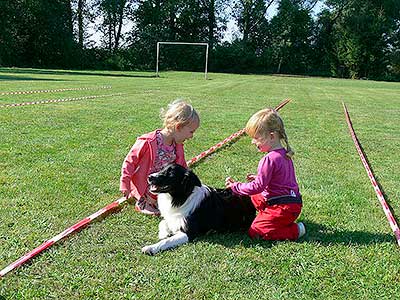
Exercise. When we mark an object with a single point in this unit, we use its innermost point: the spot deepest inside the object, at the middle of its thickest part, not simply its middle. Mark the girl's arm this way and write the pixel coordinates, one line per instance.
(251, 177)
(260, 182)
(131, 165)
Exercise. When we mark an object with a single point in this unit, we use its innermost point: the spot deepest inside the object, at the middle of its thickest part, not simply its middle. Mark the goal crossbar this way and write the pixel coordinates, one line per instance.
(182, 43)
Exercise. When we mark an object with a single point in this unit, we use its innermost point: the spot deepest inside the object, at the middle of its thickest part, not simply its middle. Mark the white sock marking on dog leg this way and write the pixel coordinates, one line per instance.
(163, 230)
(178, 239)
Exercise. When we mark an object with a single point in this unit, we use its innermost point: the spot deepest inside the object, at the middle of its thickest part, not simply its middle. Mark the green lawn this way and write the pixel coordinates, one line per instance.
(61, 162)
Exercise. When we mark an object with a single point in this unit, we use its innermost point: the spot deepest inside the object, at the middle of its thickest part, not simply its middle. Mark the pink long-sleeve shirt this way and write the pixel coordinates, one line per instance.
(139, 161)
(275, 177)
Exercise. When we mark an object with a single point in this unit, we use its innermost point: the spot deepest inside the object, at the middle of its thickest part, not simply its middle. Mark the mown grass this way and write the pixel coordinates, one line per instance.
(61, 162)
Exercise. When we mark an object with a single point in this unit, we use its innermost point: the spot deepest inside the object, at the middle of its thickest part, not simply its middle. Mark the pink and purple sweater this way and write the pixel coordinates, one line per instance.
(275, 177)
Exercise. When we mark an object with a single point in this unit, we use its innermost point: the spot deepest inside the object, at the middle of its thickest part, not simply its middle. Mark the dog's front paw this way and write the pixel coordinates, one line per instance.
(150, 250)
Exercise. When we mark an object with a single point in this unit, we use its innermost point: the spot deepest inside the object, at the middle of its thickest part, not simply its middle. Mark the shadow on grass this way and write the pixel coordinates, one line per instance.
(325, 235)
(21, 78)
(61, 72)
(316, 233)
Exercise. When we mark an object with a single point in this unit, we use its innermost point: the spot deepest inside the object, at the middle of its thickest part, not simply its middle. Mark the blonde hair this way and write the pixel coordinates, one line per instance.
(265, 121)
(178, 112)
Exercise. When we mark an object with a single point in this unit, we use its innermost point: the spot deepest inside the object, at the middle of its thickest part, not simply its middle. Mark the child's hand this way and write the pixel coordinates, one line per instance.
(228, 182)
(251, 177)
(126, 194)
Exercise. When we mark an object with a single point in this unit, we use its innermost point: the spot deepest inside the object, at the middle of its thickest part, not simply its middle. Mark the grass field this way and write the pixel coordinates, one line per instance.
(60, 162)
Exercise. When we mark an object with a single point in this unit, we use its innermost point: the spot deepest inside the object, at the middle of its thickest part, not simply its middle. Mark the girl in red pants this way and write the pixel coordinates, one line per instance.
(274, 190)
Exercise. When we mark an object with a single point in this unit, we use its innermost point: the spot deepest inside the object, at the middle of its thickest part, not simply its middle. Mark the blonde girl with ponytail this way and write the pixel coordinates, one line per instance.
(274, 190)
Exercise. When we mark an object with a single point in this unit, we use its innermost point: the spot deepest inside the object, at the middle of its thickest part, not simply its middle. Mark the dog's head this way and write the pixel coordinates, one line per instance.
(176, 180)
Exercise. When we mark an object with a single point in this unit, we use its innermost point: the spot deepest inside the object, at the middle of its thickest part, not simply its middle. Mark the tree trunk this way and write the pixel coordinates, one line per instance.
(120, 21)
(81, 4)
(211, 23)
(110, 35)
(279, 65)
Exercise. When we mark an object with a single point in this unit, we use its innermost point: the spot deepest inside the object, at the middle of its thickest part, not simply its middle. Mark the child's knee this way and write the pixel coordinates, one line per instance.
(254, 233)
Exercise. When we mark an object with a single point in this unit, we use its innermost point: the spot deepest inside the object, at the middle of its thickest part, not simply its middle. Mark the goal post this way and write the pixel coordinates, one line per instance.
(182, 43)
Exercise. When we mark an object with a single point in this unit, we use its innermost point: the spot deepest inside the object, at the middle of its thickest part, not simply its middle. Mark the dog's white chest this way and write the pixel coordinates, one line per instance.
(173, 216)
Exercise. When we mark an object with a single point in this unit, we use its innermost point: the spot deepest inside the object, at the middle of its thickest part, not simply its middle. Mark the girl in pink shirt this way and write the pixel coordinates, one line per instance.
(273, 190)
(153, 151)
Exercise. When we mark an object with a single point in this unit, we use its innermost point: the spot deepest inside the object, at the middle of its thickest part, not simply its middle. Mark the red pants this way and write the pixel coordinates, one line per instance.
(274, 222)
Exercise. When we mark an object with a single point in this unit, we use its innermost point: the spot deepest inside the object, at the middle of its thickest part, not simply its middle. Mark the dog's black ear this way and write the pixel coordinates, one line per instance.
(196, 180)
(190, 180)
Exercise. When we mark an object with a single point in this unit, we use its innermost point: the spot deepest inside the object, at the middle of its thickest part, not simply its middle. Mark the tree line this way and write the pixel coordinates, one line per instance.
(342, 38)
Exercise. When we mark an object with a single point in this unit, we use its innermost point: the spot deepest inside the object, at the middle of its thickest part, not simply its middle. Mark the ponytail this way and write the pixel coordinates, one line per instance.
(289, 150)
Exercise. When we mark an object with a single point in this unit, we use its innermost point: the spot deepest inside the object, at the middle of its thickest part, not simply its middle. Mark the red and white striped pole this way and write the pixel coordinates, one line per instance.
(385, 206)
(228, 139)
(82, 223)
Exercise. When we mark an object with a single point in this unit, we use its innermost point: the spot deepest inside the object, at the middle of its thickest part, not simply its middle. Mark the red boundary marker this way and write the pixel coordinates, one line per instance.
(56, 100)
(379, 194)
(227, 140)
(52, 91)
(82, 223)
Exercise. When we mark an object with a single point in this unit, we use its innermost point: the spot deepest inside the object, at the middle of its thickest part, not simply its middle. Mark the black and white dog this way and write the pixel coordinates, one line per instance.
(190, 209)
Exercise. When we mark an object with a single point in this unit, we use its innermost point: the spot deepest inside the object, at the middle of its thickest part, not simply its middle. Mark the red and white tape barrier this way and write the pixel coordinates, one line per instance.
(57, 100)
(379, 194)
(215, 147)
(53, 91)
(227, 140)
(108, 208)
(60, 236)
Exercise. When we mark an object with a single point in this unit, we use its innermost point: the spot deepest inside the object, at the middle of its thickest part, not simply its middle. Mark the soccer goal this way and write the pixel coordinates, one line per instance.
(182, 43)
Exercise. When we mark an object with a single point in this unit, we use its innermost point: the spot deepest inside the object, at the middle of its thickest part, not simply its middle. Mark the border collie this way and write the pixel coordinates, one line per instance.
(190, 209)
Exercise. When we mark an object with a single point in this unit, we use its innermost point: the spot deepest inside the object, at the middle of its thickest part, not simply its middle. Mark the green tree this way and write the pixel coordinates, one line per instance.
(361, 36)
(175, 20)
(11, 40)
(250, 16)
(114, 13)
(291, 38)
(37, 33)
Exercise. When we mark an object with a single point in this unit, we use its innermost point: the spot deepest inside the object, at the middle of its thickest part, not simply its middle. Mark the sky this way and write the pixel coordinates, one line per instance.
(230, 34)
(232, 29)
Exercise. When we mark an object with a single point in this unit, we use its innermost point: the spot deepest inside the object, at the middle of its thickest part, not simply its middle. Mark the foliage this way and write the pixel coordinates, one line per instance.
(37, 33)
(346, 38)
(290, 44)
